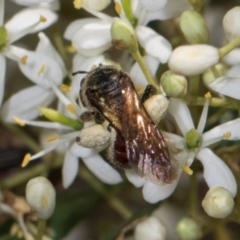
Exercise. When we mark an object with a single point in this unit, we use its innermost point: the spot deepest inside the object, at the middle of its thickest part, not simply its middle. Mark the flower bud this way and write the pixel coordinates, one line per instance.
(231, 23)
(174, 85)
(123, 36)
(40, 195)
(188, 229)
(3, 37)
(193, 60)
(218, 202)
(156, 107)
(150, 229)
(194, 27)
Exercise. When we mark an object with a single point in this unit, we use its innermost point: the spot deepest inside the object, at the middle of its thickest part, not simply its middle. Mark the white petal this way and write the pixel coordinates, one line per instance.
(137, 74)
(231, 126)
(179, 110)
(102, 170)
(93, 38)
(2, 77)
(216, 172)
(154, 44)
(95, 5)
(24, 104)
(177, 140)
(69, 169)
(50, 4)
(153, 193)
(45, 46)
(233, 72)
(134, 178)
(82, 152)
(232, 58)
(227, 86)
(193, 59)
(75, 25)
(203, 119)
(2, 10)
(20, 24)
(153, 5)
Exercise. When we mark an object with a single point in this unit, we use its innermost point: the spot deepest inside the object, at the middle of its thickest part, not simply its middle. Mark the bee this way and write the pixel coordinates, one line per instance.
(136, 142)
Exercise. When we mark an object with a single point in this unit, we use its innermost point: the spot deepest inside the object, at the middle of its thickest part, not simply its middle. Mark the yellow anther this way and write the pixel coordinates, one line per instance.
(70, 49)
(65, 88)
(24, 59)
(42, 69)
(19, 121)
(77, 4)
(14, 229)
(42, 19)
(52, 138)
(118, 8)
(71, 108)
(187, 170)
(227, 135)
(208, 95)
(26, 160)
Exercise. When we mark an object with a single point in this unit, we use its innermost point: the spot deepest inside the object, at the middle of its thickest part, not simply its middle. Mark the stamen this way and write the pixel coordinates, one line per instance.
(65, 88)
(52, 138)
(208, 95)
(26, 160)
(187, 170)
(42, 69)
(24, 59)
(70, 49)
(19, 121)
(227, 135)
(118, 8)
(42, 19)
(77, 4)
(71, 109)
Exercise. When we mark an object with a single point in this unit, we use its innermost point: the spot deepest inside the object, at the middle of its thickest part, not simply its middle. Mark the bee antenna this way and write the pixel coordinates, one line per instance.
(79, 72)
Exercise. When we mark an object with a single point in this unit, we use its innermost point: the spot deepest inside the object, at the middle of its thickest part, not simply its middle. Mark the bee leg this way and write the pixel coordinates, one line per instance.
(92, 115)
(149, 91)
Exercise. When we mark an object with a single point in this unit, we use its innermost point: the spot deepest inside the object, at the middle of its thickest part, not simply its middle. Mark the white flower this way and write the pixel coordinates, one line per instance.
(45, 68)
(24, 22)
(216, 172)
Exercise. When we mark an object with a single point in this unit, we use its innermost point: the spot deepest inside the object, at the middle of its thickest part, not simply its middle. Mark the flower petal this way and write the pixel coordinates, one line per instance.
(178, 141)
(232, 58)
(216, 172)
(27, 21)
(154, 44)
(24, 104)
(95, 5)
(137, 74)
(102, 169)
(153, 193)
(2, 77)
(153, 5)
(203, 119)
(134, 178)
(228, 86)
(69, 169)
(181, 114)
(93, 38)
(82, 152)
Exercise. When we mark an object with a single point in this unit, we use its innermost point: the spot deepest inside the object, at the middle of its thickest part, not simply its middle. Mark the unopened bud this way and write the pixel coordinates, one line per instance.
(174, 85)
(218, 202)
(123, 36)
(150, 229)
(40, 195)
(188, 229)
(193, 60)
(194, 27)
(231, 23)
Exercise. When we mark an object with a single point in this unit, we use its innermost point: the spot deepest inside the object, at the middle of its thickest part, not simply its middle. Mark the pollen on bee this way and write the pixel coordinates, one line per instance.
(19, 121)
(24, 59)
(65, 88)
(26, 160)
(52, 138)
(227, 135)
(187, 170)
(42, 69)
(71, 109)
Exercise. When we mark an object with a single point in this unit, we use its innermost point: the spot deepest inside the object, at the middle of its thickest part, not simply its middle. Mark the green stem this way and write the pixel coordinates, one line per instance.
(214, 72)
(127, 8)
(137, 56)
(229, 47)
(41, 229)
(113, 201)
